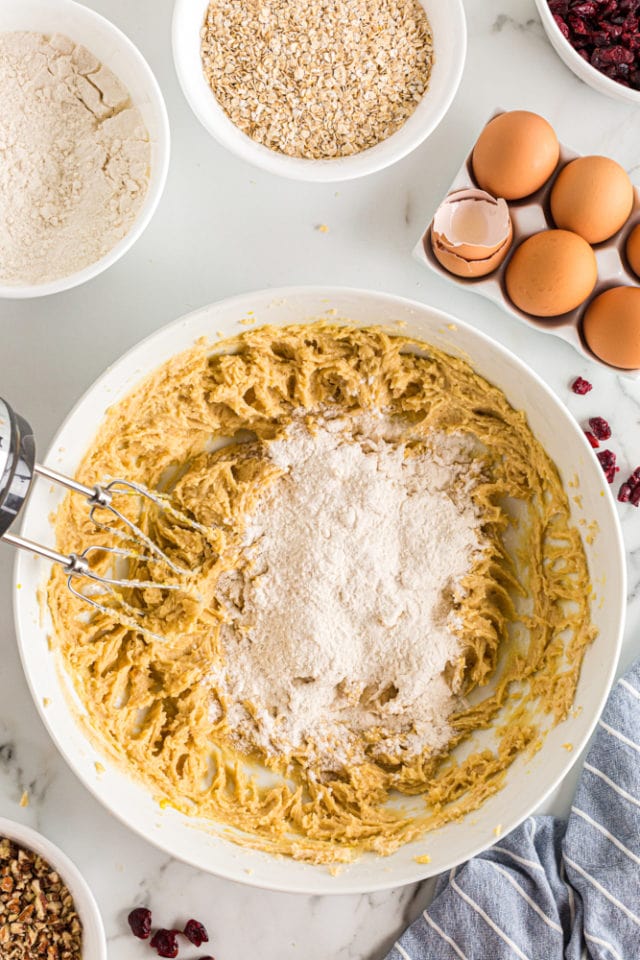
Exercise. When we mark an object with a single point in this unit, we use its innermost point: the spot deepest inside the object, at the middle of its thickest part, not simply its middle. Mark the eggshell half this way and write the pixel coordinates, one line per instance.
(470, 268)
(471, 233)
(611, 327)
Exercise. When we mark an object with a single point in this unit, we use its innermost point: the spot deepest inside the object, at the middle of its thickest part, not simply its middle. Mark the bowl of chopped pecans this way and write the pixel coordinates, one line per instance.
(320, 90)
(46, 907)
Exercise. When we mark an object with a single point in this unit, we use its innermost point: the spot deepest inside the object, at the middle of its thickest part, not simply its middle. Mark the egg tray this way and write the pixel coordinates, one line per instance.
(530, 216)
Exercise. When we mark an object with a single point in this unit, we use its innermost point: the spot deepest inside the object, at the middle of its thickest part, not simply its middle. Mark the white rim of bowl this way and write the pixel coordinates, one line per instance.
(83, 898)
(154, 194)
(284, 293)
(584, 71)
(297, 168)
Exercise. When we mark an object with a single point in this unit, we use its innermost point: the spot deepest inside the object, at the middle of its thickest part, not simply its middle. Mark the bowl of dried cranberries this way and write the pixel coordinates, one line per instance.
(46, 907)
(599, 40)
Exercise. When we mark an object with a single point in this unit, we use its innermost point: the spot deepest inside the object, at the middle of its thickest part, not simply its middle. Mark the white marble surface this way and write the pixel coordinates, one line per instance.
(222, 228)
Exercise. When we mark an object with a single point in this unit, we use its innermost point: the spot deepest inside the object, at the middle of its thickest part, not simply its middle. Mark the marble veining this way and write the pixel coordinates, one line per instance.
(505, 21)
(222, 228)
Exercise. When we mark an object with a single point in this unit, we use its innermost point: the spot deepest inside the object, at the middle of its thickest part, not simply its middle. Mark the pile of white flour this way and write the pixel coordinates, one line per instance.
(74, 158)
(346, 619)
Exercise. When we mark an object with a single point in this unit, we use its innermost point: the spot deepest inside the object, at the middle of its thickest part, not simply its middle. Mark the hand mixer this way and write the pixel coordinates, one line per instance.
(18, 469)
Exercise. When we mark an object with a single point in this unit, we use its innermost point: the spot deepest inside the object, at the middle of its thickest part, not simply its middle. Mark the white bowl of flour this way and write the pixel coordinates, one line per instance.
(206, 845)
(85, 138)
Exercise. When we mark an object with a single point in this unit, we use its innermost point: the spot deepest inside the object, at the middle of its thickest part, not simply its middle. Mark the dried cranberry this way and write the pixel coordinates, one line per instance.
(600, 427)
(605, 56)
(581, 386)
(624, 493)
(140, 922)
(164, 941)
(593, 440)
(606, 33)
(578, 25)
(607, 460)
(196, 933)
(629, 492)
(586, 9)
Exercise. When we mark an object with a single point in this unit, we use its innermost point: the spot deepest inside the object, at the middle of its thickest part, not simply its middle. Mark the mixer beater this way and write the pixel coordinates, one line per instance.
(18, 469)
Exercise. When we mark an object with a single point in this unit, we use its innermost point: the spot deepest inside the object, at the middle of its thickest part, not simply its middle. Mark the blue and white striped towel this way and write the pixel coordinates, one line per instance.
(554, 890)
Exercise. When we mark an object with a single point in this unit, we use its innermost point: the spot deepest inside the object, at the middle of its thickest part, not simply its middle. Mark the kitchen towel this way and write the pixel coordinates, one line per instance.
(553, 889)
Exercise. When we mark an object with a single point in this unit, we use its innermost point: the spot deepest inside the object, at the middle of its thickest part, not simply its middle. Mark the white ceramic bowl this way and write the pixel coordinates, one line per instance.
(450, 46)
(598, 81)
(117, 52)
(528, 782)
(94, 942)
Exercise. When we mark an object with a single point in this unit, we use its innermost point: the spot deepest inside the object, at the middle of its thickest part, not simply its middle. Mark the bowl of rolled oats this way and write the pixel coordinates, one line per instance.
(319, 90)
(46, 907)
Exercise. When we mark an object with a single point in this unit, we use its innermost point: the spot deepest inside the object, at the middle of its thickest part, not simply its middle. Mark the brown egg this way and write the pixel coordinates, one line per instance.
(611, 327)
(592, 196)
(515, 154)
(633, 250)
(471, 233)
(551, 273)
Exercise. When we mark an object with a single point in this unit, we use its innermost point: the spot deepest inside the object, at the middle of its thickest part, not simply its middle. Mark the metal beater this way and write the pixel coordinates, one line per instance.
(18, 469)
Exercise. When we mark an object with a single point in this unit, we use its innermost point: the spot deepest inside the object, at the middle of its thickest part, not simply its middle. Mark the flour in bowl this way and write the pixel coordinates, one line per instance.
(343, 622)
(75, 158)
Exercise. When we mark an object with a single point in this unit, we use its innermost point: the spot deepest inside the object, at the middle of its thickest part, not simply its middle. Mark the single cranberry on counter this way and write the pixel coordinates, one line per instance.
(629, 492)
(607, 460)
(581, 386)
(196, 933)
(593, 440)
(140, 922)
(165, 942)
(600, 427)
(634, 479)
(624, 493)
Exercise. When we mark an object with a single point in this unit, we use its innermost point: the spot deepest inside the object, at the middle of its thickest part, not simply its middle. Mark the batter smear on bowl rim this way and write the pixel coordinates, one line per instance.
(388, 603)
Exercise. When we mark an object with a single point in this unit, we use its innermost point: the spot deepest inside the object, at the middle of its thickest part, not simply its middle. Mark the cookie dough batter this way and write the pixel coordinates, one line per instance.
(167, 709)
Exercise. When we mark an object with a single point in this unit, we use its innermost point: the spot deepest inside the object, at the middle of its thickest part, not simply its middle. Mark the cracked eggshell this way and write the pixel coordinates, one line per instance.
(471, 233)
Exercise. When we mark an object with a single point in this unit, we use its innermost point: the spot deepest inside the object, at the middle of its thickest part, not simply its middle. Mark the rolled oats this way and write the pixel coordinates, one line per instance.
(317, 78)
(37, 914)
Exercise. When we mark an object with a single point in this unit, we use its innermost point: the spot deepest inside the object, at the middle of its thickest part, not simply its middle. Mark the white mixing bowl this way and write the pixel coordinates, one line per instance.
(117, 52)
(449, 30)
(528, 781)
